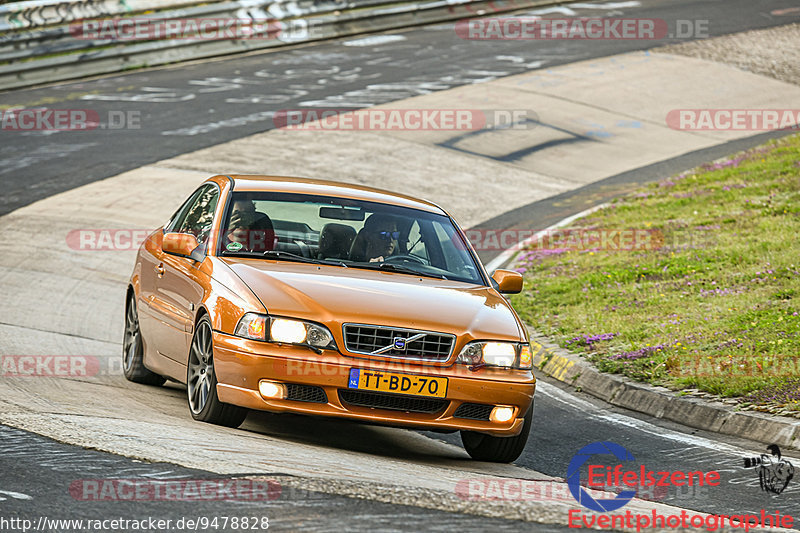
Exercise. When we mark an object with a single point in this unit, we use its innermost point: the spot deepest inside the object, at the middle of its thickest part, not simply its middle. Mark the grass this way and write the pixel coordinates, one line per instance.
(712, 303)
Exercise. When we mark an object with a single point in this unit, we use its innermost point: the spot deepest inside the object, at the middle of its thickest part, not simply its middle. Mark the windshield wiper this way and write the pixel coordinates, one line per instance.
(289, 256)
(396, 268)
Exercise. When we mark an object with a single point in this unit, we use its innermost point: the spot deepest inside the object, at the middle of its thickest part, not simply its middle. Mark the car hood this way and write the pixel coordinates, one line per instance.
(335, 295)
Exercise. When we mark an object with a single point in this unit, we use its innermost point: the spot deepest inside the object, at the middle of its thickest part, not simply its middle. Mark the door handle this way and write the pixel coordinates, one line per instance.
(160, 270)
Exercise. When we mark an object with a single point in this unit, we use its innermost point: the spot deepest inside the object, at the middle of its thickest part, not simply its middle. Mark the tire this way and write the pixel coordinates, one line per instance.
(133, 350)
(483, 447)
(201, 382)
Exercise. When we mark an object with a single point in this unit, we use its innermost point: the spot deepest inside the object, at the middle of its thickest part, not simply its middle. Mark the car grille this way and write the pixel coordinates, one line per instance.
(383, 341)
(393, 402)
(305, 393)
(473, 411)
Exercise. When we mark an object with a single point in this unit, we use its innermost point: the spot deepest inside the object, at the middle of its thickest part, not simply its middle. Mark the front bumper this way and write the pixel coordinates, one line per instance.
(240, 364)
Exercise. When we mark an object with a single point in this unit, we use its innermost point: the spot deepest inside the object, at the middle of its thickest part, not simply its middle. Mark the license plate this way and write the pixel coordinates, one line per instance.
(376, 380)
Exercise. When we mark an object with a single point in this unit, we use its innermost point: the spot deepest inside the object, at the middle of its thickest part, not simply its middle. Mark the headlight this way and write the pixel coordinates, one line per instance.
(499, 353)
(318, 336)
(289, 331)
(504, 354)
(284, 330)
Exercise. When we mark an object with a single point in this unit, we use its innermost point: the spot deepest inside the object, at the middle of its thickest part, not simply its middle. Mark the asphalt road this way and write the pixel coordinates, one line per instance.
(146, 116)
(53, 482)
(188, 107)
(44, 478)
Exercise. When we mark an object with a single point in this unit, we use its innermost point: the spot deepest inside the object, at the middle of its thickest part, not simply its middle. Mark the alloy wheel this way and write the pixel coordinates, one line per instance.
(201, 367)
(132, 339)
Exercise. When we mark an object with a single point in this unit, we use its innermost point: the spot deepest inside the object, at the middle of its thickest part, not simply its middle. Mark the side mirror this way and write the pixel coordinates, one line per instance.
(508, 281)
(183, 244)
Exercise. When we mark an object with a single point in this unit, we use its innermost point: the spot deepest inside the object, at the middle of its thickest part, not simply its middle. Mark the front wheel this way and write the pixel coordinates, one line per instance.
(133, 350)
(201, 382)
(483, 447)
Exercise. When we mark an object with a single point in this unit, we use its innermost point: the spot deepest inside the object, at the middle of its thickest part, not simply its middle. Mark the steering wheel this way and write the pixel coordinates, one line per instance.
(405, 257)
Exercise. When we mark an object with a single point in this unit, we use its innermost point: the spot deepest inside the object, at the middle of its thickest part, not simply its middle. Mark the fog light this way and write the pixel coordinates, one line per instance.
(501, 413)
(270, 389)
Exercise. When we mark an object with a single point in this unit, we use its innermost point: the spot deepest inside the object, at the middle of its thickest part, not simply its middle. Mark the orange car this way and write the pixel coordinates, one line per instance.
(323, 298)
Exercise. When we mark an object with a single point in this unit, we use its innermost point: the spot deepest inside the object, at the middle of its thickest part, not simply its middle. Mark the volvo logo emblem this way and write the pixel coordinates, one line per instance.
(399, 344)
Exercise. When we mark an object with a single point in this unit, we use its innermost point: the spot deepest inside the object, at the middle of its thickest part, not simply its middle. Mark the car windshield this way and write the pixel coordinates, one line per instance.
(346, 232)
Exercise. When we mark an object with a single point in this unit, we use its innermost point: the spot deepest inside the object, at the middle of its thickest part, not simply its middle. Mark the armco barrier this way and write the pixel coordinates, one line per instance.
(37, 46)
(38, 13)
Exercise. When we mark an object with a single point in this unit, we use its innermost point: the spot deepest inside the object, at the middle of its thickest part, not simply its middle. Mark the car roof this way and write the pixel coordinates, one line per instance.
(246, 183)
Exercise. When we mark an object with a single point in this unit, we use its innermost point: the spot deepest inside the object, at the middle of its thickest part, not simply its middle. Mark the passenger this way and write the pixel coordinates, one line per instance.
(376, 241)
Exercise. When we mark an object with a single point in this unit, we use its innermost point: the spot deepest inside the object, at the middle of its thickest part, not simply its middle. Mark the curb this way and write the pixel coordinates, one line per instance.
(660, 402)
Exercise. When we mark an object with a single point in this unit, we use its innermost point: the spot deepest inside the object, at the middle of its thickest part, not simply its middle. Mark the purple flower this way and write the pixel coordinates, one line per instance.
(638, 354)
(589, 340)
(734, 186)
(722, 292)
(533, 255)
(724, 164)
(782, 393)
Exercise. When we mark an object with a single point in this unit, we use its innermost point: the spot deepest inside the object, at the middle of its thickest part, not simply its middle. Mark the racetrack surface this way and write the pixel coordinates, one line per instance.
(56, 480)
(183, 108)
(105, 412)
(67, 302)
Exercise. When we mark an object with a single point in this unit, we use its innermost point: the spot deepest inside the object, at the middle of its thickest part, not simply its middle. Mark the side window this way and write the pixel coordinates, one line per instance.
(197, 219)
(456, 257)
(180, 214)
(416, 246)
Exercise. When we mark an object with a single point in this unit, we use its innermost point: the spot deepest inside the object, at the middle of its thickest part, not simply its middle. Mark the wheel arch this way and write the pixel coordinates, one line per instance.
(202, 311)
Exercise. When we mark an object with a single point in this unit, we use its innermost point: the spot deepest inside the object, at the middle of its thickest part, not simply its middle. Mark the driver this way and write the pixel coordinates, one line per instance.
(252, 229)
(377, 239)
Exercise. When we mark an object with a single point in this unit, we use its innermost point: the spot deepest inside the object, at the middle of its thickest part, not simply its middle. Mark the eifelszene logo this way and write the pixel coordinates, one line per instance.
(631, 480)
(604, 477)
(574, 476)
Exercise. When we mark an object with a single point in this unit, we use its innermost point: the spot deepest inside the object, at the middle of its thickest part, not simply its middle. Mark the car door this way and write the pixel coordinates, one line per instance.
(177, 286)
(151, 310)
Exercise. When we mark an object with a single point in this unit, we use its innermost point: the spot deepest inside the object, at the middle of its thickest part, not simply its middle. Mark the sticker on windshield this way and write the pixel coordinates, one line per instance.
(234, 246)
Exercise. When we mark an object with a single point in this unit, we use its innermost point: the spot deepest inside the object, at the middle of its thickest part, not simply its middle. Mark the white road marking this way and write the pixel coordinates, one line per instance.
(561, 10)
(375, 40)
(148, 94)
(569, 9)
(227, 123)
(41, 153)
(607, 5)
(513, 59)
(15, 495)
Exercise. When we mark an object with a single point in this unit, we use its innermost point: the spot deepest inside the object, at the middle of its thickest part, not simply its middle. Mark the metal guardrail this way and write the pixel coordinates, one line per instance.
(61, 38)
(41, 40)
(37, 13)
